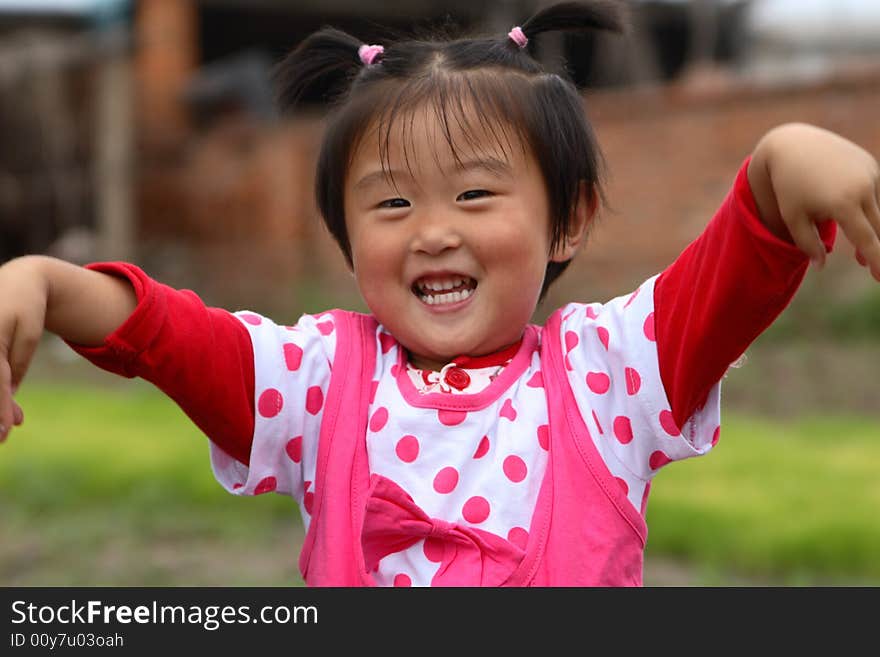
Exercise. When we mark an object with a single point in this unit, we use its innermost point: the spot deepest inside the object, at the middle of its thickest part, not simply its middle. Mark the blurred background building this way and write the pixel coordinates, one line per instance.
(146, 130)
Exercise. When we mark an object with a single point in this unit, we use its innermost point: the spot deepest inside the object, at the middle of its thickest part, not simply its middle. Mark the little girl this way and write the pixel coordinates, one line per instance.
(443, 439)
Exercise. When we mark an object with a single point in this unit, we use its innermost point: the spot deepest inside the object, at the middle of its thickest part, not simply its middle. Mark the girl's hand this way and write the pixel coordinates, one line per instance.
(801, 174)
(23, 298)
(39, 292)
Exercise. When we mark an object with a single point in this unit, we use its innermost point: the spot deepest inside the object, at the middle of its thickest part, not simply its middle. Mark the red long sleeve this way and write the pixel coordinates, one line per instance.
(201, 357)
(720, 294)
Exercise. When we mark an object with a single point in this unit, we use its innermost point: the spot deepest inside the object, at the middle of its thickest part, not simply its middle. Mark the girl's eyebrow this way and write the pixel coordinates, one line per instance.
(492, 165)
(380, 175)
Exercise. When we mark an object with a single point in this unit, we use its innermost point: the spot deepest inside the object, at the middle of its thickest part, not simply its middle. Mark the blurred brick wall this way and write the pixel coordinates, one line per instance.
(238, 206)
(166, 34)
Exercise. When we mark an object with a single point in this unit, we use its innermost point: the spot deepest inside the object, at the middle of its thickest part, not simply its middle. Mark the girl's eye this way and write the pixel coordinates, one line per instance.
(394, 203)
(473, 194)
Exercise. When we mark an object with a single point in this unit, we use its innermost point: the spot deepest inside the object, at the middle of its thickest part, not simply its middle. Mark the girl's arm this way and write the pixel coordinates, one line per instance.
(732, 282)
(201, 357)
(37, 293)
(128, 324)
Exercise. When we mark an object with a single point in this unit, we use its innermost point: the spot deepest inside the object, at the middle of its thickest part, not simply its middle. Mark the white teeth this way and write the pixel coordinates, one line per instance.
(449, 297)
(439, 286)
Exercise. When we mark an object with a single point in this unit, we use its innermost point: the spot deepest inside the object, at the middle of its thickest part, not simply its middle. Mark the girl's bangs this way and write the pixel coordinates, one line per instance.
(477, 113)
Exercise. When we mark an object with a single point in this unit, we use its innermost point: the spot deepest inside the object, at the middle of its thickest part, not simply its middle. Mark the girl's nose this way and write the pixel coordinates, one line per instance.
(435, 235)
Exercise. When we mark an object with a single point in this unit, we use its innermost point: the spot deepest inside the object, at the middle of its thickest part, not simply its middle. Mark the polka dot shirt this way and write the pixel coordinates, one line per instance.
(484, 466)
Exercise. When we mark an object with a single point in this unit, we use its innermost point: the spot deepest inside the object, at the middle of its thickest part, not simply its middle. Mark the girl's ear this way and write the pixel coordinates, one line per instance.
(582, 216)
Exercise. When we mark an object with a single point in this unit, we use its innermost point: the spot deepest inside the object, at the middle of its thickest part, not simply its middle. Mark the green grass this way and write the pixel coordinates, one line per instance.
(797, 501)
(112, 486)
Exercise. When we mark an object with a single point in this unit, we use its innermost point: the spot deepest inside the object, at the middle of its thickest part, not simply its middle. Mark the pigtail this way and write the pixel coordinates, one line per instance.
(320, 68)
(604, 15)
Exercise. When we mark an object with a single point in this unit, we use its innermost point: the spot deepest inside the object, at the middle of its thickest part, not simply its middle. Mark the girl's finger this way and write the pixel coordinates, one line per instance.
(872, 212)
(17, 414)
(806, 237)
(860, 231)
(7, 415)
(871, 208)
(24, 344)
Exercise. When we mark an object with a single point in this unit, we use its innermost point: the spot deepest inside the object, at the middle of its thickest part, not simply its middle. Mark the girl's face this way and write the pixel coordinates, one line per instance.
(449, 256)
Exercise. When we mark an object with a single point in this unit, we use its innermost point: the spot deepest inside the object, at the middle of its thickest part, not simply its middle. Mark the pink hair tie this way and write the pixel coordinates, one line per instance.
(368, 54)
(518, 36)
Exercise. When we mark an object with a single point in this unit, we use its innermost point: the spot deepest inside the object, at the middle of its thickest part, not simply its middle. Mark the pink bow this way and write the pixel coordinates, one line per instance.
(471, 557)
(368, 54)
(518, 36)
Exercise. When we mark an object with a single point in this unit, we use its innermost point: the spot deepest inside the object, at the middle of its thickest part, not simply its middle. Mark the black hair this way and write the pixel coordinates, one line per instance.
(501, 83)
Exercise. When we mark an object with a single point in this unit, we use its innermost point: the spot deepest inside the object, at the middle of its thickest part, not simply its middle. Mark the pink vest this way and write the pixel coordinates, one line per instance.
(584, 531)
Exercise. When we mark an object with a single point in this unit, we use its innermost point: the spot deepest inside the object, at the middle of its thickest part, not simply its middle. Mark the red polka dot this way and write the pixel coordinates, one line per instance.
(592, 313)
(395, 370)
(475, 510)
(307, 484)
(658, 459)
(294, 449)
(716, 436)
(314, 400)
(648, 328)
(236, 486)
(668, 423)
(508, 411)
(598, 382)
(254, 320)
(407, 449)
(515, 469)
(325, 328)
(603, 336)
(571, 340)
(482, 448)
(308, 502)
(266, 485)
(433, 549)
(451, 418)
(544, 436)
(519, 537)
(374, 386)
(633, 381)
(401, 579)
(446, 480)
(293, 356)
(537, 380)
(386, 341)
(379, 419)
(270, 402)
(632, 297)
(598, 424)
(622, 428)
(623, 485)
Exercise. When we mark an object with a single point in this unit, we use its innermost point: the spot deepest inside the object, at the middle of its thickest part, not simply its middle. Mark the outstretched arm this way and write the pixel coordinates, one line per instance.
(39, 292)
(733, 281)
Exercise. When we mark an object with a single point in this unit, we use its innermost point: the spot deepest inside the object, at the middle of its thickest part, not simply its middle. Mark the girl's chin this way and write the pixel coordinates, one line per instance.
(434, 354)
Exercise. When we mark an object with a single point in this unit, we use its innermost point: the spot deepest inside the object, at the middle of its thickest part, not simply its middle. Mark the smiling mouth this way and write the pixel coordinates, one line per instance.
(448, 290)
